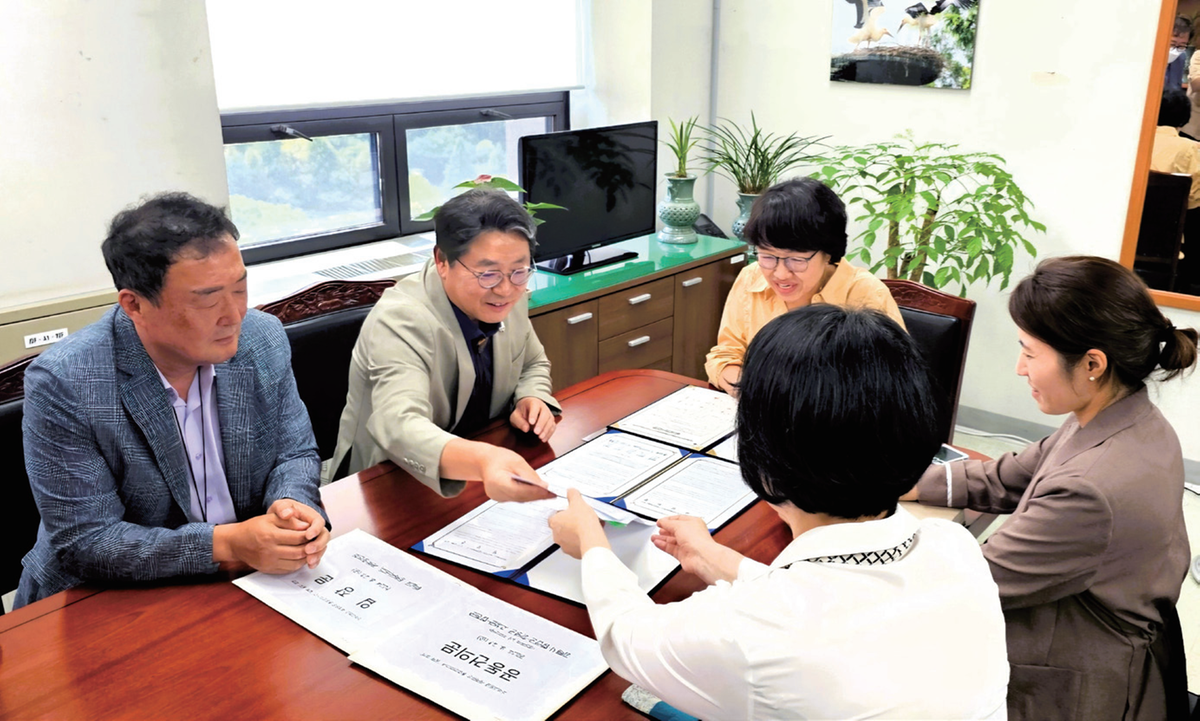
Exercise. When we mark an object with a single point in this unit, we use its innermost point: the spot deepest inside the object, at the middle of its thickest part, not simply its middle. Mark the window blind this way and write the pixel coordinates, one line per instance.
(307, 53)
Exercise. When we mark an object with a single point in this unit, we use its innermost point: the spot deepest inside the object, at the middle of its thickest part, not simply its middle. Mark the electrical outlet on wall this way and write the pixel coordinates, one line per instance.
(46, 338)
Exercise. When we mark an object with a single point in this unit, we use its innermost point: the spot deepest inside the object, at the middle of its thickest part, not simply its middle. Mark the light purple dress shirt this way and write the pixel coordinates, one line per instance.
(201, 431)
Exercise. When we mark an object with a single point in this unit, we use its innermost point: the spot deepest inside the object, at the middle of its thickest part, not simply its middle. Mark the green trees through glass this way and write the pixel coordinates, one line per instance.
(440, 157)
(285, 189)
(293, 188)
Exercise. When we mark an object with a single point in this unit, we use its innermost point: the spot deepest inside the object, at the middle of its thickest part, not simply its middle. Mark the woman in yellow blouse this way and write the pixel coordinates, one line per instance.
(798, 231)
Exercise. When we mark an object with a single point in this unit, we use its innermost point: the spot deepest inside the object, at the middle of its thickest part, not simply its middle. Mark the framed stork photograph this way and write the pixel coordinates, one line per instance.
(929, 42)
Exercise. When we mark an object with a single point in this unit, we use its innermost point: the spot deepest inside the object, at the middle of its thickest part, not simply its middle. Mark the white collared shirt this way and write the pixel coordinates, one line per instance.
(201, 431)
(919, 637)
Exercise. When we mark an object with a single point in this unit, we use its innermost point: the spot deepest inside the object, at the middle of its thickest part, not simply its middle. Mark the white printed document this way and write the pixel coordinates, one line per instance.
(701, 486)
(436, 636)
(485, 659)
(559, 574)
(505, 538)
(360, 589)
(627, 479)
(498, 538)
(692, 417)
(726, 449)
(607, 467)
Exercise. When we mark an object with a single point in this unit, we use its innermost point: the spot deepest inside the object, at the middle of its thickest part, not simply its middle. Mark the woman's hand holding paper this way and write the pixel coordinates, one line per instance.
(578, 529)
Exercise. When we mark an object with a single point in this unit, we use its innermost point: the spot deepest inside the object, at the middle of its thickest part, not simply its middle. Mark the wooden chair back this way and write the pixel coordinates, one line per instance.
(940, 323)
(322, 324)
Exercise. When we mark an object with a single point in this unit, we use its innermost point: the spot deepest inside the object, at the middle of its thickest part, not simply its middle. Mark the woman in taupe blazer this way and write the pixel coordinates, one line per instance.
(1096, 533)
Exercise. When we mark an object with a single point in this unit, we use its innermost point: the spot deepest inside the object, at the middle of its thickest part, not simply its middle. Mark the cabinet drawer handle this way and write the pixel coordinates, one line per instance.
(737, 259)
(639, 299)
(692, 281)
(638, 341)
(579, 318)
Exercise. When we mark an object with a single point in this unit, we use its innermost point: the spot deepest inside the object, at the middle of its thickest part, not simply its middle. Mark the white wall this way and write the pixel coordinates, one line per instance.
(100, 103)
(680, 78)
(647, 61)
(615, 66)
(1065, 119)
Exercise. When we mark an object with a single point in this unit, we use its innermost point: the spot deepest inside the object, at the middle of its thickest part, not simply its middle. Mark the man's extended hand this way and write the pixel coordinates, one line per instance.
(499, 468)
(495, 466)
(533, 415)
(287, 537)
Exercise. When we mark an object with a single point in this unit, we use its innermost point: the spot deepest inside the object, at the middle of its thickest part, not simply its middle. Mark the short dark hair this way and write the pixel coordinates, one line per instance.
(144, 240)
(1182, 25)
(837, 413)
(801, 215)
(1175, 110)
(1076, 303)
(465, 217)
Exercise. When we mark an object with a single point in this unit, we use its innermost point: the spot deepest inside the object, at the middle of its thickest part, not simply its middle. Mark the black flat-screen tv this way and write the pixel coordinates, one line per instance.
(604, 177)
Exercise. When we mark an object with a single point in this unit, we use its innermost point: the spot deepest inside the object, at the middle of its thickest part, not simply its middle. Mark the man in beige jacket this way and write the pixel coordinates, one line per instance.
(447, 350)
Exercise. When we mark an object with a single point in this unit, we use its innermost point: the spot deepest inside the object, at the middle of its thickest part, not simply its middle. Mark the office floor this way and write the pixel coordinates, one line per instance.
(1189, 597)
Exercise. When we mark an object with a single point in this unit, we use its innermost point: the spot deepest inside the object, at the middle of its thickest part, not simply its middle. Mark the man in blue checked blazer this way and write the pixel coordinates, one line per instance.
(167, 438)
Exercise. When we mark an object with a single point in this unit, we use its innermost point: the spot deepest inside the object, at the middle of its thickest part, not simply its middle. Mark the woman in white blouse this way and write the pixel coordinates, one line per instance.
(868, 612)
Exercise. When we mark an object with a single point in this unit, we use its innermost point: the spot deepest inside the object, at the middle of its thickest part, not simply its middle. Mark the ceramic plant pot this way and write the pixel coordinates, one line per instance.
(679, 211)
(745, 202)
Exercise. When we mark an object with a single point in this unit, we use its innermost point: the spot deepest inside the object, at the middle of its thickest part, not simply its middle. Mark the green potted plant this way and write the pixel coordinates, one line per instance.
(499, 183)
(680, 210)
(948, 216)
(753, 159)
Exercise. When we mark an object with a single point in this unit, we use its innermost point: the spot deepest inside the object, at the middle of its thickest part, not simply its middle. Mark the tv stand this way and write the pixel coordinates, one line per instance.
(662, 311)
(588, 259)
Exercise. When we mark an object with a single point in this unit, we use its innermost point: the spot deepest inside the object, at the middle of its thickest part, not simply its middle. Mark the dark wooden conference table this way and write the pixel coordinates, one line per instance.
(209, 650)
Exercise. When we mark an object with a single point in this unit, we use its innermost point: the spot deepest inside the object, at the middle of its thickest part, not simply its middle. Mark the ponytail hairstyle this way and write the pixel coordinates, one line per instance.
(1077, 303)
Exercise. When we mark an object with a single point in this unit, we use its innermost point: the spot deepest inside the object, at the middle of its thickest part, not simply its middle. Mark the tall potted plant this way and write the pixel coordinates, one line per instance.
(680, 210)
(947, 216)
(753, 159)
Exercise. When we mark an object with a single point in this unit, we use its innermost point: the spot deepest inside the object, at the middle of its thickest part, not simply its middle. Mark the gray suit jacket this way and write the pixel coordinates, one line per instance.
(108, 468)
(1096, 536)
(411, 376)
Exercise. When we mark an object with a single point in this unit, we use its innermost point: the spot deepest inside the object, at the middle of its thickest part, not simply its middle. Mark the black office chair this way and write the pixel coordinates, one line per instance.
(322, 324)
(940, 323)
(1168, 651)
(21, 516)
(1160, 236)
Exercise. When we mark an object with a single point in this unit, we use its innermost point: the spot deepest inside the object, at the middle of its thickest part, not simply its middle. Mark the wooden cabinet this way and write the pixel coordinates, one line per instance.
(633, 307)
(638, 348)
(667, 321)
(699, 302)
(570, 337)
